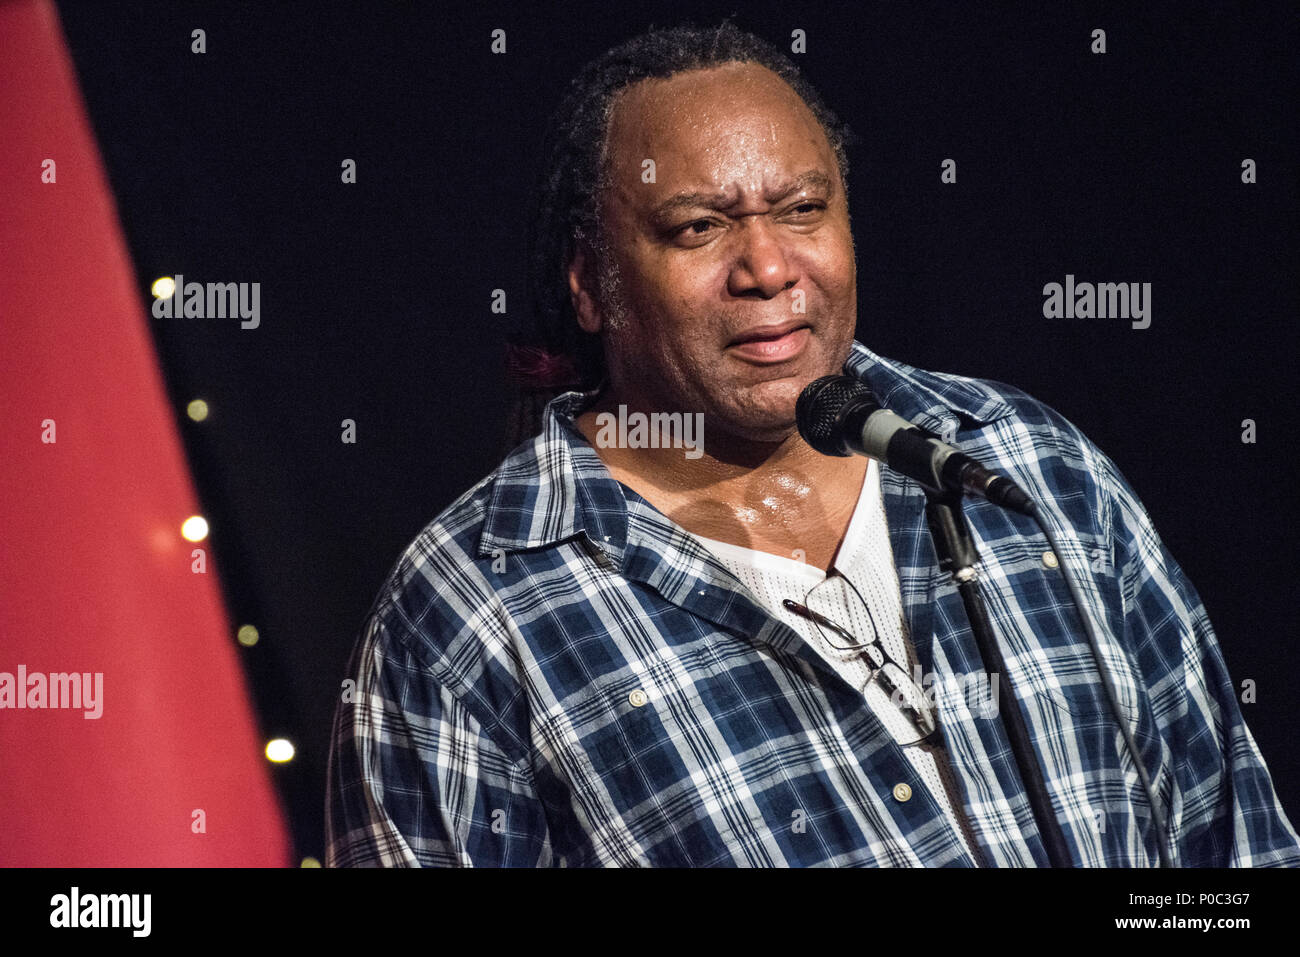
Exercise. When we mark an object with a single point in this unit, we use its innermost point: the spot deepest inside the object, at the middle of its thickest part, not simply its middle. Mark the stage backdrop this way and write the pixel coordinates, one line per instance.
(126, 733)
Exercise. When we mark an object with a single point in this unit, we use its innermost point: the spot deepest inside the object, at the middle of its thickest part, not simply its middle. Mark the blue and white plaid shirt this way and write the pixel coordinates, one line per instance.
(557, 674)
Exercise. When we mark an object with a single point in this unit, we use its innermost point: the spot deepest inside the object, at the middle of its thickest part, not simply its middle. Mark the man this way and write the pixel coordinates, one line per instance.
(613, 654)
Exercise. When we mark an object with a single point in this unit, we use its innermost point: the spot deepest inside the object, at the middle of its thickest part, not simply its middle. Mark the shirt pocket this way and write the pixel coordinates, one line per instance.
(650, 776)
(1053, 660)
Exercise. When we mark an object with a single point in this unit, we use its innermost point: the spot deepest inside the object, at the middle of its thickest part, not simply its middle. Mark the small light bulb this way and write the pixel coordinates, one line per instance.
(195, 528)
(279, 750)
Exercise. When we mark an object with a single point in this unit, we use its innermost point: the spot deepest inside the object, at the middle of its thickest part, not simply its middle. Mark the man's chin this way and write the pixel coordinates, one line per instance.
(770, 405)
(763, 412)
(771, 422)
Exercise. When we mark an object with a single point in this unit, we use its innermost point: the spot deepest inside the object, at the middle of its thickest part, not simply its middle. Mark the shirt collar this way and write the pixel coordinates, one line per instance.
(556, 486)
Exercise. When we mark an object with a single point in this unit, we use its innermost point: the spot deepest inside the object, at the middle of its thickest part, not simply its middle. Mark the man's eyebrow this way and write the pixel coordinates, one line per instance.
(812, 179)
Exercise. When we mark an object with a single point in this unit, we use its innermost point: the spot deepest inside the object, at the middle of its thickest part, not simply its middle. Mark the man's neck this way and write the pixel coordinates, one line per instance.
(781, 497)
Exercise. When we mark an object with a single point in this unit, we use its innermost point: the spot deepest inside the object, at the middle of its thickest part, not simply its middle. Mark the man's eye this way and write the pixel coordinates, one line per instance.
(809, 207)
(691, 227)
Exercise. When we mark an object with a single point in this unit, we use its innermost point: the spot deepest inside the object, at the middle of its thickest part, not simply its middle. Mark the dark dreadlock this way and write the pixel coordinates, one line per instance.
(557, 355)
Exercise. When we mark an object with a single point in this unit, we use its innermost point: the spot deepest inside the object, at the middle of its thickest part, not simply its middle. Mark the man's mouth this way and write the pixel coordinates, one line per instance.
(770, 344)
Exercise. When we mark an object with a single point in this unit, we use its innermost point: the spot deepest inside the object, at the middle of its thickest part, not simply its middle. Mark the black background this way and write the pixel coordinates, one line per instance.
(1122, 167)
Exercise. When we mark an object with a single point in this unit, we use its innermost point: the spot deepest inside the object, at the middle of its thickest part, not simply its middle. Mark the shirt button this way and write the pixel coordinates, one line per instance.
(637, 698)
(1049, 559)
(902, 792)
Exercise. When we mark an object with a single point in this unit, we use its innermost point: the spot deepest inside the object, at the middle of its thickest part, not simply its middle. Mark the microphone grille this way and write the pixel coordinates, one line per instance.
(817, 412)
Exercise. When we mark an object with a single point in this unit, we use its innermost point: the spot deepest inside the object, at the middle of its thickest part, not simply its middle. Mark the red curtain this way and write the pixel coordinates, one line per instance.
(95, 578)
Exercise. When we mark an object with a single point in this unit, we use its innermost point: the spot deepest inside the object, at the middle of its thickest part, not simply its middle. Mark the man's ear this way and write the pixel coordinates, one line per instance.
(581, 274)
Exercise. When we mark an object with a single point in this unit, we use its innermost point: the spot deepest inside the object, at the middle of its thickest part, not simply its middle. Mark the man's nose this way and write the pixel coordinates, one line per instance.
(763, 263)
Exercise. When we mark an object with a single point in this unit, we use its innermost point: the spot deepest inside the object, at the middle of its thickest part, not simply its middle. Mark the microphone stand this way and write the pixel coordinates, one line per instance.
(957, 555)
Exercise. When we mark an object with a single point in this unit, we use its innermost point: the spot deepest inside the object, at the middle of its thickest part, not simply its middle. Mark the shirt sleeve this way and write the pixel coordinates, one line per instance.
(414, 781)
(1225, 812)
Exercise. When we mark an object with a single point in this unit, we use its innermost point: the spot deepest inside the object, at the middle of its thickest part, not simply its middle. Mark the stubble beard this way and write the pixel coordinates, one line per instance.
(616, 318)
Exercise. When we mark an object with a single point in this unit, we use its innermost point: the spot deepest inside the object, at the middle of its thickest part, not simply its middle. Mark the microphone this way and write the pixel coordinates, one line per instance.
(838, 415)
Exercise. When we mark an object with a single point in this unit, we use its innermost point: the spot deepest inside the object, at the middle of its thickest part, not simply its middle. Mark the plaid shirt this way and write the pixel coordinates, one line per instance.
(556, 674)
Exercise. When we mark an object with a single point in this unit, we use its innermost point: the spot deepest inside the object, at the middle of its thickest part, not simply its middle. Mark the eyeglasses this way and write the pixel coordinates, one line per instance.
(827, 601)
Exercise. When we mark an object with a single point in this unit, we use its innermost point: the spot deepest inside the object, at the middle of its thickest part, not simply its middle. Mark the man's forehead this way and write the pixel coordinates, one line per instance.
(698, 105)
(713, 135)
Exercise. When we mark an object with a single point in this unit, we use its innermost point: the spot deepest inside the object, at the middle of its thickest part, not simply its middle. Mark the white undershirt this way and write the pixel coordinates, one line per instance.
(867, 560)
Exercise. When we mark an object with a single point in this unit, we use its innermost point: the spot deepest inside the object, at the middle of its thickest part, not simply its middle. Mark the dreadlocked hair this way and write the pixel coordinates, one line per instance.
(556, 354)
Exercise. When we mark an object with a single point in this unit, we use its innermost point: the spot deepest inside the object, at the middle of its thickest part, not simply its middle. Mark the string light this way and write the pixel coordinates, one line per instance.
(163, 287)
(197, 410)
(279, 750)
(247, 636)
(195, 528)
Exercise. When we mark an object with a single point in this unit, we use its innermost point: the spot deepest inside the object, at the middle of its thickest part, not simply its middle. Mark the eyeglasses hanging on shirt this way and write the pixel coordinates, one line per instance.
(824, 605)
